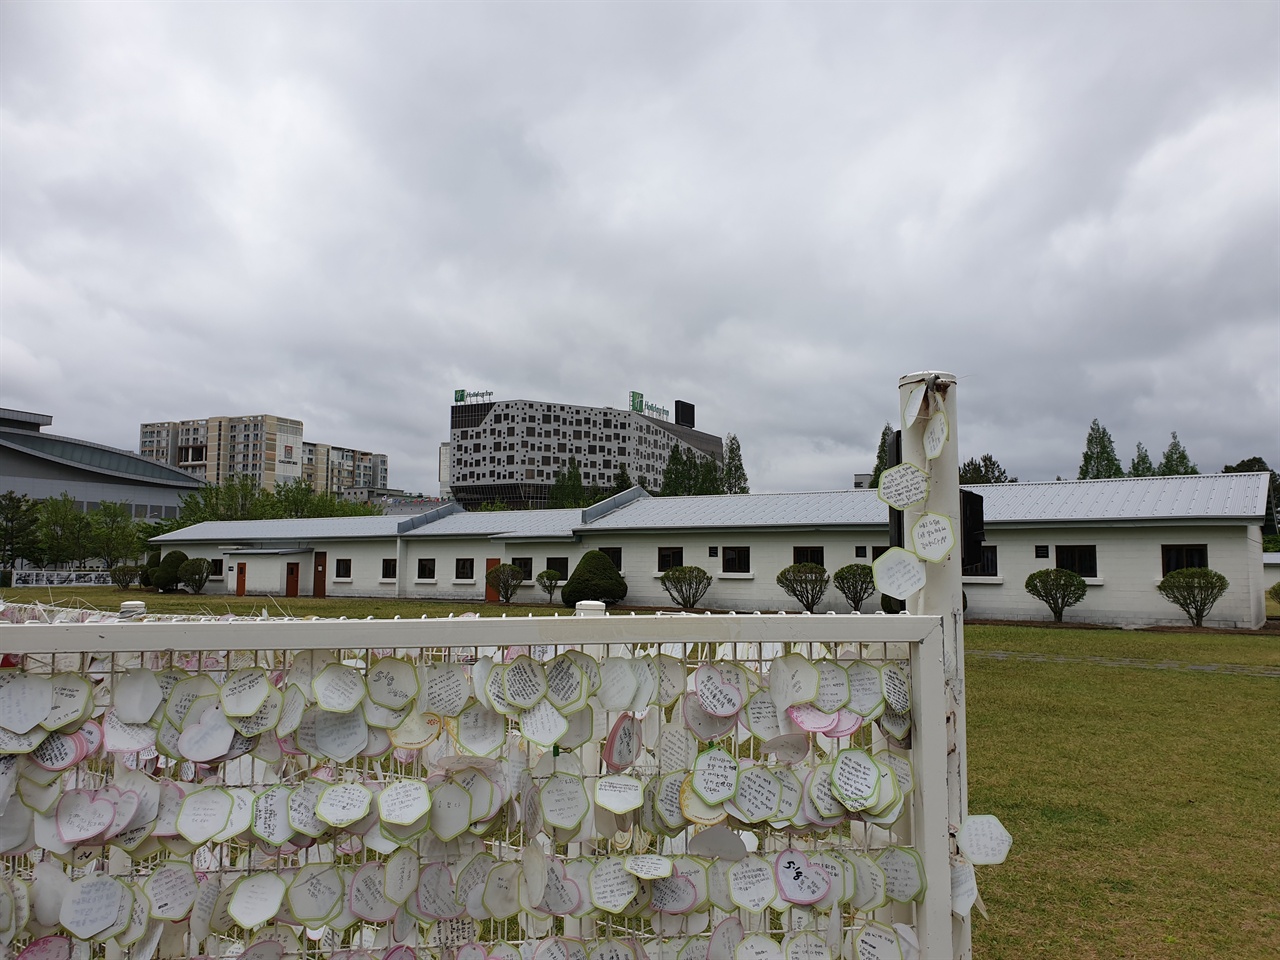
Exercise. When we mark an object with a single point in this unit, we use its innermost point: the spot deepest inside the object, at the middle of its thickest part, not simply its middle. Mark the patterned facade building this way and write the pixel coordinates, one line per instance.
(510, 451)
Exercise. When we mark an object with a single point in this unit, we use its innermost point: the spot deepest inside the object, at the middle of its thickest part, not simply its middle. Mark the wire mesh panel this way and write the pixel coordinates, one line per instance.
(604, 788)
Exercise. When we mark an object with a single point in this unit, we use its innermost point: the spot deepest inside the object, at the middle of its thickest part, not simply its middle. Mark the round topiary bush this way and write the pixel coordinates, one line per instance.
(166, 576)
(594, 578)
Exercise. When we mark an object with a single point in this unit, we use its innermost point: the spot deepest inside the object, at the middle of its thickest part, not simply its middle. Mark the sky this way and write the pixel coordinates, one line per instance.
(343, 212)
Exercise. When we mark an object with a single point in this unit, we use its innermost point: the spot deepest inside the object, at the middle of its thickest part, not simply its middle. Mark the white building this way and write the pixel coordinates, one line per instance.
(1122, 535)
(510, 451)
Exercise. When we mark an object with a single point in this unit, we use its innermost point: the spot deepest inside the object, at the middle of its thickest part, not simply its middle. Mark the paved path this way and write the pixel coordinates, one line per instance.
(1236, 669)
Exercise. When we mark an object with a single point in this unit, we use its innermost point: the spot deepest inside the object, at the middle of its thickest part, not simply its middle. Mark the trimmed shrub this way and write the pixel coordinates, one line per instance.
(123, 575)
(548, 580)
(165, 576)
(505, 578)
(686, 586)
(195, 573)
(1058, 589)
(144, 572)
(1195, 590)
(1274, 592)
(806, 583)
(594, 578)
(856, 583)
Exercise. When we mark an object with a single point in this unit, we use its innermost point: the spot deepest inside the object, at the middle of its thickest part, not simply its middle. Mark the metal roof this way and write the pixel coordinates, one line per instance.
(254, 531)
(96, 458)
(833, 508)
(1215, 496)
(1228, 496)
(503, 523)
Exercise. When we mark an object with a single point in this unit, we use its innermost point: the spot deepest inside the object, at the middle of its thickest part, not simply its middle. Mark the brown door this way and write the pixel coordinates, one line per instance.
(291, 579)
(242, 574)
(490, 594)
(321, 574)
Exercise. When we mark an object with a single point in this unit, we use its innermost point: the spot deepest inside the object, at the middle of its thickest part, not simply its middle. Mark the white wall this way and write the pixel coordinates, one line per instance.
(1129, 567)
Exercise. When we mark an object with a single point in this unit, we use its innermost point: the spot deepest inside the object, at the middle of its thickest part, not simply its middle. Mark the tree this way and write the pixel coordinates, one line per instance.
(1141, 465)
(505, 578)
(856, 583)
(1195, 590)
(492, 506)
(19, 528)
(675, 475)
(686, 586)
(882, 454)
(1057, 588)
(985, 470)
(805, 582)
(594, 578)
(195, 573)
(734, 476)
(708, 478)
(123, 575)
(622, 481)
(116, 535)
(1099, 461)
(1176, 462)
(64, 531)
(548, 580)
(567, 491)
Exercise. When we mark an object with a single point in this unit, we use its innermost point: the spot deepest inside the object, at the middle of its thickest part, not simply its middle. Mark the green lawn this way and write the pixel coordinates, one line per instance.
(1143, 803)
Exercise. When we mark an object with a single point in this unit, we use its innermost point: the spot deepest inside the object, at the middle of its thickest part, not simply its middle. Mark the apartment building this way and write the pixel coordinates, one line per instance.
(511, 450)
(269, 448)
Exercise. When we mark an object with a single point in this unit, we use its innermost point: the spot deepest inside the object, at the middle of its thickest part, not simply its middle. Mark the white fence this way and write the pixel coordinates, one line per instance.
(595, 788)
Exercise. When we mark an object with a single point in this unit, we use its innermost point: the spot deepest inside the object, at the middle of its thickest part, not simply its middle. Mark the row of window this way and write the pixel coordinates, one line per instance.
(1083, 558)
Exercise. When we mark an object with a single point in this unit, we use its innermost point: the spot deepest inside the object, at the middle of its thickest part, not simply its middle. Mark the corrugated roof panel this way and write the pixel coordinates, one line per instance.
(833, 508)
(317, 528)
(526, 523)
(1209, 496)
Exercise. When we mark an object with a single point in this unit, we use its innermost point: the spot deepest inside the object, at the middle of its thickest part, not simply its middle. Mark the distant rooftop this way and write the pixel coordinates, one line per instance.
(23, 419)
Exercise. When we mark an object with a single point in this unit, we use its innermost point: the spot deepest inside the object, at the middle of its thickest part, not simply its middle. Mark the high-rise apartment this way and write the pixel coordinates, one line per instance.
(269, 448)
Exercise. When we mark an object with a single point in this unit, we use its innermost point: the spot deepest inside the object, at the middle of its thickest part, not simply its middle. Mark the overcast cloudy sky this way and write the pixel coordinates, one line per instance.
(343, 212)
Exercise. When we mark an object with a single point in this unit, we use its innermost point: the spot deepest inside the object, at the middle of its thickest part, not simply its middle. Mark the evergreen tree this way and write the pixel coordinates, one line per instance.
(985, 470)
(734, 476)
(622, 481)
(1099, 461)
(675, 475)
(567, 491)
(882, 454)
(1141, 465)
(708, 478)
(1176, 462)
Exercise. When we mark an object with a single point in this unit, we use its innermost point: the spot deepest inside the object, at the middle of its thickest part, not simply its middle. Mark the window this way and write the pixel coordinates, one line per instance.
(342, 568)
(1042, 551)
(525, 565)
(669, 557)
(614, 554)
(389, 568)
(986, 567)
(215, 567)
(713, 551)
(736, 560)
(464, 568)
(878, 552)
(426, 568)
(860, 553)
(1179, 556)
(808, 555)
(1079, 559)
